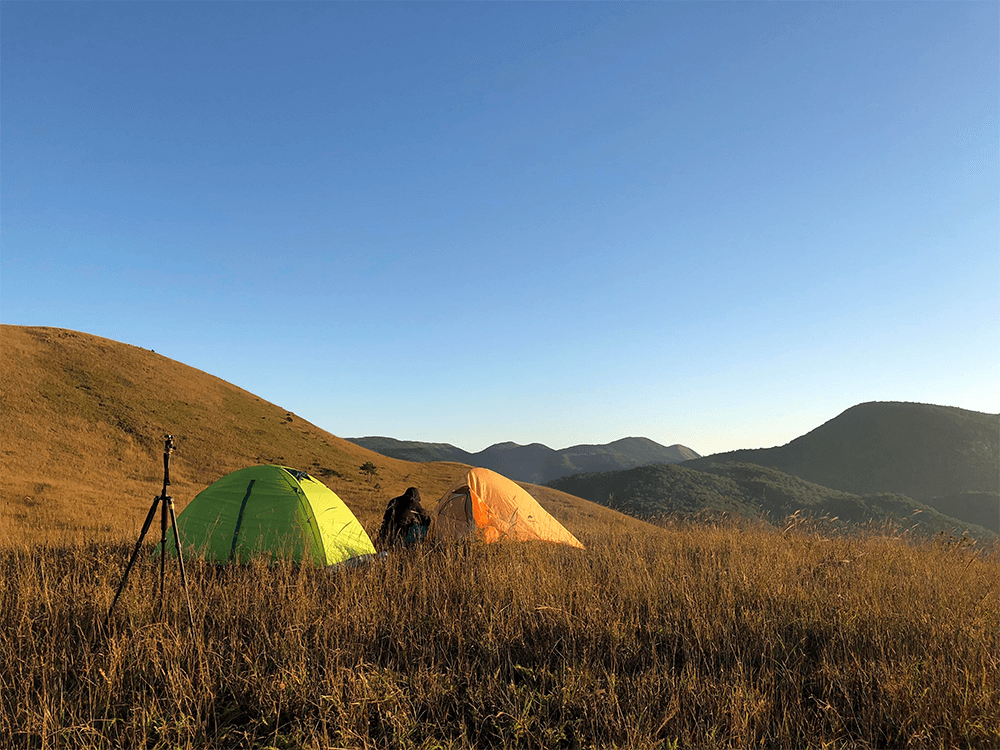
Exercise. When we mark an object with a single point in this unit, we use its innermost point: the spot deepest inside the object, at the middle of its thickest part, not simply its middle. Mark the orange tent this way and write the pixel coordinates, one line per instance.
(490, 505)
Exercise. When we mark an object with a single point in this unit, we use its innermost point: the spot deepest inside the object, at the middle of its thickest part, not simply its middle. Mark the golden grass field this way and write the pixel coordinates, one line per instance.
(677, 635)
(700, 636)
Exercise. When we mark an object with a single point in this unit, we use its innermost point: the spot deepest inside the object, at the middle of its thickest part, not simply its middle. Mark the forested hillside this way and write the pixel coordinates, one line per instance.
(751, 491)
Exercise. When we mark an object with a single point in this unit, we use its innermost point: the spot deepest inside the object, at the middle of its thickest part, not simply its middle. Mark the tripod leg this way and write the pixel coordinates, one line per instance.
(180, 561)
(163, 551)
(135, 554)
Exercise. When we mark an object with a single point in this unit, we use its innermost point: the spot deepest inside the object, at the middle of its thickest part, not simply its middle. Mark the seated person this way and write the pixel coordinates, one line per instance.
(405, 520)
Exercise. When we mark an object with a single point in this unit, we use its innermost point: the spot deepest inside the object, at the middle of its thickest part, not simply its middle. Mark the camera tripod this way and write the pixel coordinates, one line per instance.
(166, 504)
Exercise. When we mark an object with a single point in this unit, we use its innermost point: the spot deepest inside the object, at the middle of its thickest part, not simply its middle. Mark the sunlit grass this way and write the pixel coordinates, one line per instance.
(694, 636)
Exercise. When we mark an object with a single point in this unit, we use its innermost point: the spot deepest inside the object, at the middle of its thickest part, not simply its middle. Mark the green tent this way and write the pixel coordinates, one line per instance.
(275, 512)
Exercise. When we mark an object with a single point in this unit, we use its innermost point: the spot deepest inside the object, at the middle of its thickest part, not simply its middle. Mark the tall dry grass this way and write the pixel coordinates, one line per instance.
(690, 637)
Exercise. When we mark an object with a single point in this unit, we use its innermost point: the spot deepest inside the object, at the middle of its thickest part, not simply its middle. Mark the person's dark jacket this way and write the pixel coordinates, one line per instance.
(401, 515)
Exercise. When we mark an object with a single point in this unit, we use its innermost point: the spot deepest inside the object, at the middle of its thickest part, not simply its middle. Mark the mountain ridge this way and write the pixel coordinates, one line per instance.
(536, 462)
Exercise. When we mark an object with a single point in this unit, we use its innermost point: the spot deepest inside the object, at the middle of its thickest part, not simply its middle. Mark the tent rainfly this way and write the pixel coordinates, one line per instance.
(275, 512)
(486, 504)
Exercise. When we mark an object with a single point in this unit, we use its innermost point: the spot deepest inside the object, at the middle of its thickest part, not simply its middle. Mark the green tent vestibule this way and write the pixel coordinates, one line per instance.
(272, 512)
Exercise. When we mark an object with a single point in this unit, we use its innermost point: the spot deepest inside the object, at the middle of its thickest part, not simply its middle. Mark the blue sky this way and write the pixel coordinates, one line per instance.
(715, 224)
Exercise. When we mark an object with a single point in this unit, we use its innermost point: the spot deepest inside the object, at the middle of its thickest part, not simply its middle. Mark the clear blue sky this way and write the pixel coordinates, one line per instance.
(715, 224)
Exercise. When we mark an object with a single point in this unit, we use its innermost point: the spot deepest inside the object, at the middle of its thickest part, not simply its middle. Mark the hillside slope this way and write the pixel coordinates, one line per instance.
(536, 462)
(933, 454)
(751, 491)
(81, 433)
(414, 450)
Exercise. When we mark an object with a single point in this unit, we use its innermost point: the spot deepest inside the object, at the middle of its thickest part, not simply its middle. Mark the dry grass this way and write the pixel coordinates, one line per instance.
(687, 637)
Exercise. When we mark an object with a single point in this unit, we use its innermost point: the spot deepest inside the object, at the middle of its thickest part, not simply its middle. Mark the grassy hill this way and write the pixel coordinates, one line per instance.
(537, 462)
(751, 491)
(933, 454)
(82, 425)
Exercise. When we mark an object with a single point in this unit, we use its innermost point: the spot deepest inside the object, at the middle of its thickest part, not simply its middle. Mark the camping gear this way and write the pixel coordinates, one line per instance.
(487, 505)
(274, 512)
(166, 504)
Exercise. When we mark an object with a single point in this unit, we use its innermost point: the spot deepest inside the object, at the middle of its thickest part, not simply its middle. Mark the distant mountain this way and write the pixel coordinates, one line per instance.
(754, 491)
(946, 457)
(641, 451)
(520, 461)
(411, 450)
(982, 508)
(536, 463)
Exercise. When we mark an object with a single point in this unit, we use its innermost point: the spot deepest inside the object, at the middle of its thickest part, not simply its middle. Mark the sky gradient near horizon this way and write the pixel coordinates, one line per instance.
(714, 224)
